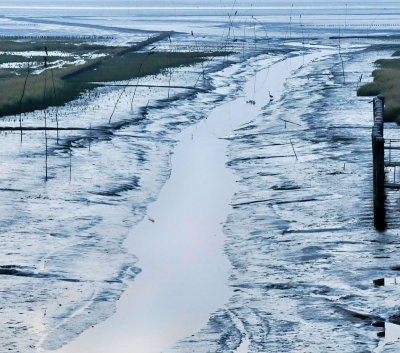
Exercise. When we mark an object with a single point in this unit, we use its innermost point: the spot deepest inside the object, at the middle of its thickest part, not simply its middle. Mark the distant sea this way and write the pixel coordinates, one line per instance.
(205, 7)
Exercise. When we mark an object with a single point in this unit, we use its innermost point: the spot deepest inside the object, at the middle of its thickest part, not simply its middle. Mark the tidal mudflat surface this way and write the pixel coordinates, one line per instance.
(269, 239)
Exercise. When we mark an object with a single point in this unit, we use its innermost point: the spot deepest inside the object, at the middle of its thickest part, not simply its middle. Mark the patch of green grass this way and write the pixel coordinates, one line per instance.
(72, 80)
(11, 92)
(384, 64)
(6, 73)
(386, 82)
(118, 64)
(9, 58)
(131, 65)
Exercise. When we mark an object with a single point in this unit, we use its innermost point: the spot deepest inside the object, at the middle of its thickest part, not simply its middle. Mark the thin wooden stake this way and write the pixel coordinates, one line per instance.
(22, 96)
(70, 164)
(293, 149)
(45, 115)
(90, 135)
(55, 99)
(341, 59)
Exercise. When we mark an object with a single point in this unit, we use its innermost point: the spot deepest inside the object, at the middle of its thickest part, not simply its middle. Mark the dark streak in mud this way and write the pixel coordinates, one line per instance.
(284, 187)
(321, 230)
(353, 315)
(240, 160)
(120, 189)
(20, 271)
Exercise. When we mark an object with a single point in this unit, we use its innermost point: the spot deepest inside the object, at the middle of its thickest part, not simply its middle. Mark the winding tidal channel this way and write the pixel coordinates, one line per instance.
(180, 244)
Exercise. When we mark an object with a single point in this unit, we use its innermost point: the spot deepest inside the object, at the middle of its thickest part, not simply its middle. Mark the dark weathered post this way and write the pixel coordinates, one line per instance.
(380, 184)
(378, 155)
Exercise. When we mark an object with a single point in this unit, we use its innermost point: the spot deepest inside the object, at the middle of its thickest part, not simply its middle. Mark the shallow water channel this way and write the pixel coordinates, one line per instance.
(180, 244)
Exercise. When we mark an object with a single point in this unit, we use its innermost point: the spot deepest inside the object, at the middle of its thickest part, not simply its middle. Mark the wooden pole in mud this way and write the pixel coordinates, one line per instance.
(378, 155)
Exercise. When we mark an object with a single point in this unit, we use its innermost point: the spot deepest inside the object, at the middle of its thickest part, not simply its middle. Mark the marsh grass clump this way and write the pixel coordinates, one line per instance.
(386, 82)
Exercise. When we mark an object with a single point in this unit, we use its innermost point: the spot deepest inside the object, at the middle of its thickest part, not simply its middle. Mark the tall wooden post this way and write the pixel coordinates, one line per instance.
(378, 155)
